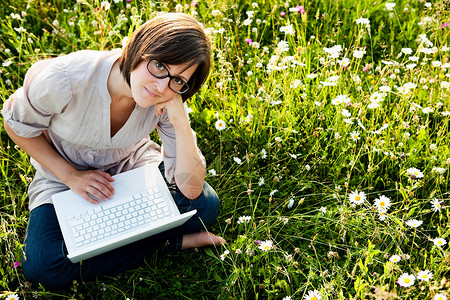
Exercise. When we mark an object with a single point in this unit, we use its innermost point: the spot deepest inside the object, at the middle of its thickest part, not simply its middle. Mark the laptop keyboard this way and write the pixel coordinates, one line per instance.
(110, 218)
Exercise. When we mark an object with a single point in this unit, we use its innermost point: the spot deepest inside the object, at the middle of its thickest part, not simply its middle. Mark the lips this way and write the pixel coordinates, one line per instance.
(153, 95)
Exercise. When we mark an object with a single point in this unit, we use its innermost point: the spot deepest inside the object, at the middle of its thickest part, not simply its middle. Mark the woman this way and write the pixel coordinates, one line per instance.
(86, 116)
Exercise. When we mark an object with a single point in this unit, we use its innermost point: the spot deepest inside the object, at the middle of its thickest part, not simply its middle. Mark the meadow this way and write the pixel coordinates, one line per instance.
(325, 126)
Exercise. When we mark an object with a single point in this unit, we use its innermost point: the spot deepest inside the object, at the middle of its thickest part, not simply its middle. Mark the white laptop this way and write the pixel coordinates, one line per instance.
(141, 207)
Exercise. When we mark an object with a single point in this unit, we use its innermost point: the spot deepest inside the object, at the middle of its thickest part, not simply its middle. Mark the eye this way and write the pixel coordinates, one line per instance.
(159, 65)
(178, 81)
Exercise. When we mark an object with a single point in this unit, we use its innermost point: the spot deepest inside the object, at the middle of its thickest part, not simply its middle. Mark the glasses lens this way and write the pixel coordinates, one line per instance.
(157, 69)
(177, 85)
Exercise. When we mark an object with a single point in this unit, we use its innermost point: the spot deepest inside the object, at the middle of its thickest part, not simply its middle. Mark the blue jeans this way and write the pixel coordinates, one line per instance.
(45, 259)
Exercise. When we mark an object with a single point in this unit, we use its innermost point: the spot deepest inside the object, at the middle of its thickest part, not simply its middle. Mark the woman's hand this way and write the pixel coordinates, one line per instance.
(175, 111)
(93, 183)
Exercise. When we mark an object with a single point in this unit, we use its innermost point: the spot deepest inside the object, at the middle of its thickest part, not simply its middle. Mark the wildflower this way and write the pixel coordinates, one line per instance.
(344, 62)
(406, 280)
(333, 52)
(273, 192)
(225, 253)
(105, 5)
(340, 99)
(359, 53)
(311, 76)
(12, 297)
(291, 203)
(323, 210)
(383, 203)
(407, 51)
(357, 197)
(287, 298)
(282, 14)
(263, 153)
(288, 257)
(289, 30)
(446, 24)
(283, 219)
(237, 160)
(424, 275)
(395, 258)
(278, 139)
(313, 295)
(354, 136)
(238, 251)
(414, 223)
(261, 181)
(414, 173)
(248, 41)
(300, 9)
(435, 205)
(440, 297)
(244, 219)
(216, 13)
(212, 172)
(220, 125)
(385, 88)
(390, 6)
(427, 110)
(363, 21)
(266, 245)
(247, 22)
(439, 242)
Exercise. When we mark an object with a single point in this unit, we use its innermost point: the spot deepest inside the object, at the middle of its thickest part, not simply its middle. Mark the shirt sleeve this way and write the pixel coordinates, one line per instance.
(46, 92)
(167, 135)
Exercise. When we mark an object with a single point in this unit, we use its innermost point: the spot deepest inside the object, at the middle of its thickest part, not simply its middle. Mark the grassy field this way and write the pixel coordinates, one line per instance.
(325, 125)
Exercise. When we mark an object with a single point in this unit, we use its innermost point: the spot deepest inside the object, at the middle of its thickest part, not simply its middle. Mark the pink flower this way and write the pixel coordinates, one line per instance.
(300, 9)
(16, 264)
(248, 41)
(446, 24)
(282, 14)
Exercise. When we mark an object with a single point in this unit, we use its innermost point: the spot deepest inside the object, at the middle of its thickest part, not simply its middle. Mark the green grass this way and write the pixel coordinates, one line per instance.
(283, 126)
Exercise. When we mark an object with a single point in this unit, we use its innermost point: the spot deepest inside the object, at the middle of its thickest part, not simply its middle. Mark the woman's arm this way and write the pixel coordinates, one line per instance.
(189, 171)
(95, 182)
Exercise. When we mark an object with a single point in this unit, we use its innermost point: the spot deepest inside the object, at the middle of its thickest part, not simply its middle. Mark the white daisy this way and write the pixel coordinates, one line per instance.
(266, 245)
(354, 136)
(406, 280)
(440, 297)
(424, 275)
(357, 197)
(383, 203)
(12, 297)
(435, 204)
(237, 160)
(395, 258)
(414, 173)
(313, 295)
(414, 223)
(220, 125)
(439, 242)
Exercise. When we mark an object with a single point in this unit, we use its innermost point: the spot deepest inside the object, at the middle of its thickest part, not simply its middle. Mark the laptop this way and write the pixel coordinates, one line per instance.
(142, 206)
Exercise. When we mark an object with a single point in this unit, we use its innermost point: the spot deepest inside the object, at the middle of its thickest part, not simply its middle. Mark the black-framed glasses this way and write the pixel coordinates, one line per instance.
(158, 70)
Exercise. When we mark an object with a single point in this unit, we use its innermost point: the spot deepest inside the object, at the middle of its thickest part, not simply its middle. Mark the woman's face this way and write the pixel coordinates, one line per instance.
(148, 90)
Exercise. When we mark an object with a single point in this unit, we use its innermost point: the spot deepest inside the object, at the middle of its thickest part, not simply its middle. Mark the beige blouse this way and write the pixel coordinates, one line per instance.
(68, 101)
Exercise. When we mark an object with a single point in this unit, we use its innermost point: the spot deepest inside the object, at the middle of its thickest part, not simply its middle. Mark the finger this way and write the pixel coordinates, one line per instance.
(95, 192)
(100, 190)
(89, 199)
(105, 179)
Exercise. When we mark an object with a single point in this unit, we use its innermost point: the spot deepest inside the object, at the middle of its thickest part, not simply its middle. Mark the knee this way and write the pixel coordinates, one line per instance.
(52, 275)
(209, 208)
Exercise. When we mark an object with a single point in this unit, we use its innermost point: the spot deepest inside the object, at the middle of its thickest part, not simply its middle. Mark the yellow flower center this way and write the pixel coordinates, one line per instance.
(381, 203)
(424, 276)
(439, 242)
(407, 280)
(357, 198)
(313, 298)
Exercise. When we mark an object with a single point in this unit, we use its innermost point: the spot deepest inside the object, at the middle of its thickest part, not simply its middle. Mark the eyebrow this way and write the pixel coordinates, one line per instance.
(178, 76)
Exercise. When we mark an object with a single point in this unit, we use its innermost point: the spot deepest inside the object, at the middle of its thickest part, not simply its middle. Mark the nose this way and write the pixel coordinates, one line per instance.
(162, 84)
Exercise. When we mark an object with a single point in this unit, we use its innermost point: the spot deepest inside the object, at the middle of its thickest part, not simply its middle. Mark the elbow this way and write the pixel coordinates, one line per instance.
(190, 187)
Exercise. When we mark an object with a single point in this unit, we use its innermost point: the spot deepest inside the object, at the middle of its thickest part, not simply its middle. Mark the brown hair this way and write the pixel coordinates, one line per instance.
(173, 39)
